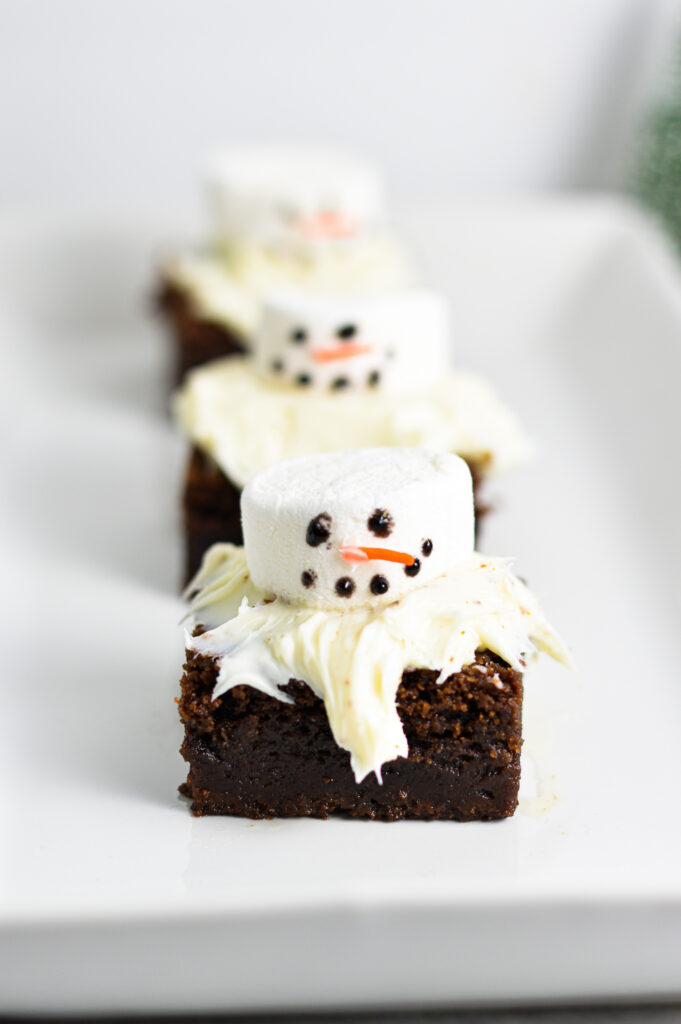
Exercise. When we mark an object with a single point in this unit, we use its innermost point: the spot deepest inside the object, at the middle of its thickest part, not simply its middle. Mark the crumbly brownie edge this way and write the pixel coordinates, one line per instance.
(197, 340)
(211, 511)
(254, 756)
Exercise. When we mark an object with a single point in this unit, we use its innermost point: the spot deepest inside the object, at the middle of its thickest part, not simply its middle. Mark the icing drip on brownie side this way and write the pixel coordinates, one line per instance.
(353, 660)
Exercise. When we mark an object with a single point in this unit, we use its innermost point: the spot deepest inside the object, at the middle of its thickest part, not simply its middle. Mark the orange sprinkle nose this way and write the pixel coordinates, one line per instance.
(347, 351)
(327, 224)
(361, 554)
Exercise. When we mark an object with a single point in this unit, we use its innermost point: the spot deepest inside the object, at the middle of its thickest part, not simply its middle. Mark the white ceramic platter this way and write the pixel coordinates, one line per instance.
(112, 897)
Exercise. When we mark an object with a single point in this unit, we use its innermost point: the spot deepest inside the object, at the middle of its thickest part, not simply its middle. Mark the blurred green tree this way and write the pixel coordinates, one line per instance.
(656, 173)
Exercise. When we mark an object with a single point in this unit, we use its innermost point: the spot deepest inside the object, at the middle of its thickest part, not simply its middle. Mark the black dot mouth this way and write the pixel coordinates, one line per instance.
(374, 379)
(345, 587)
(346, 331)
(304, 380)
(298, 335)
(380, 523)
(339, 383)
(413, 569)
(277, 366)
(379, 585)
(308, 578)
(427, 548)
(318, 530)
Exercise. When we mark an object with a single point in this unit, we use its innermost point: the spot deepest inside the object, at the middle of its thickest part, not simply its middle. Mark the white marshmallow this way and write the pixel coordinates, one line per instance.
(397, 341)
(357, 528)
(286, 195)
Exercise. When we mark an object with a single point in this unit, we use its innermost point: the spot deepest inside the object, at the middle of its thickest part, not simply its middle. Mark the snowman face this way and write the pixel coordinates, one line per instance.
(338, 344)
(288, 196)
(357, 528)
(361, 561)
(294, 228)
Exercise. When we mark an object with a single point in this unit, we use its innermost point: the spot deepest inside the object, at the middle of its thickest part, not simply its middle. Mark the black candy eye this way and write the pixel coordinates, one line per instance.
(346, 332)
(308, 578)
(413, 570)
(318, 530)
(298, 335)
(303, 379)
(427, 548)
(380, 523)
(378, 585)
(345, 587)
(339, 383)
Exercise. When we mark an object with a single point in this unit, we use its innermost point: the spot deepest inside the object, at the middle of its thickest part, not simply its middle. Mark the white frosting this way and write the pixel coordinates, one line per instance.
(216, 294)
(397, 341)
(357, 528)
(229, 290)
(247, 423)
(353, 659)
(292, 196)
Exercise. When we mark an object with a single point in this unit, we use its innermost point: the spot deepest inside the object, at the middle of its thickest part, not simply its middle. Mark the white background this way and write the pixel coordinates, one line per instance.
(113, 105)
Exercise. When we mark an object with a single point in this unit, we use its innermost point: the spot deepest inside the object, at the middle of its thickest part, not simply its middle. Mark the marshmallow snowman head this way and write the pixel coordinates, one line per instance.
(292, 197)
(397, 341)
(358, 528)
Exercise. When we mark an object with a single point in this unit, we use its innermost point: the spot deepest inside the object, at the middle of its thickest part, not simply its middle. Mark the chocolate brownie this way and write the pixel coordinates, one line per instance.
(252, 755)
(210, 508)
(196, 339)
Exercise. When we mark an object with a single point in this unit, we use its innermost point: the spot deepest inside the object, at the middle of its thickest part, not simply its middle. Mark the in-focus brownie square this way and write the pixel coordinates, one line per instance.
(357, 656)
(251, 755)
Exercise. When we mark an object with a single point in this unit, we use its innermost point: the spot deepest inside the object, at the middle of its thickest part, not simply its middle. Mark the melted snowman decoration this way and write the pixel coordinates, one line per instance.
(357, 528)
(397, 341)
(293, 197)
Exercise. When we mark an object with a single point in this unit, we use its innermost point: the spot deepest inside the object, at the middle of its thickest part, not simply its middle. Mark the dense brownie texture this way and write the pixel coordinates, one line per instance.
(197, 340)
(254, 756)
(210, 508)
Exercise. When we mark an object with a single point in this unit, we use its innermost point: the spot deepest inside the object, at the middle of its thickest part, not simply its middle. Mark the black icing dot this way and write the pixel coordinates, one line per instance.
(380, 523)
(308, 578)
(277, 366)
(378, 585)
(390, 353)
(339, 383)
(414, 569)
(303, 379)
(318, 530)
(427, 548)
(346, 332)
(298, 335)
(374, 379)
(344, 586)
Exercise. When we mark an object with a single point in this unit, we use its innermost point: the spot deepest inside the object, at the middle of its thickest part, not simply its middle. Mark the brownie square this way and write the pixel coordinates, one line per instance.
(211, 513)
(252, 755)
(196, 339)
(210, 510)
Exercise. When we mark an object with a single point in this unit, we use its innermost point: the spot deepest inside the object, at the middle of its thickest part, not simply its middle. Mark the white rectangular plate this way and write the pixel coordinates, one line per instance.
(112, 896)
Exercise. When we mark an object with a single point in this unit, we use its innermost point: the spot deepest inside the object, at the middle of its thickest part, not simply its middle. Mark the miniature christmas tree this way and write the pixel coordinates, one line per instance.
(656, 179)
